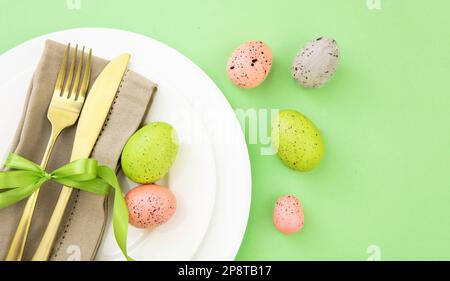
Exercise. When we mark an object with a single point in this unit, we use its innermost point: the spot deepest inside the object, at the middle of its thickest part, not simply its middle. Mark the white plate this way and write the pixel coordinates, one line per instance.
(191, 178)
(170, 70)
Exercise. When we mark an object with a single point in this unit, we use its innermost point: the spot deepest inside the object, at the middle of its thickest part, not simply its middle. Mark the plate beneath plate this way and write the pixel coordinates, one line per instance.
(165, 66)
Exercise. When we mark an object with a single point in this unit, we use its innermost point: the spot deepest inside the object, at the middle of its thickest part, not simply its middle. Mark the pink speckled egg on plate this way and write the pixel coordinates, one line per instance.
(249, 64)
(150, 205)
(288, 214)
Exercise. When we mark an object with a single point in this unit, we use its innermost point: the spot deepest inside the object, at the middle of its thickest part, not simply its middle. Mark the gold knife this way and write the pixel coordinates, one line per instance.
(92, 119)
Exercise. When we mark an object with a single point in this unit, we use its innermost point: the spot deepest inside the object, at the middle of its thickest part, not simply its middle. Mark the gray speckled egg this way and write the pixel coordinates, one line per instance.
(316, 63)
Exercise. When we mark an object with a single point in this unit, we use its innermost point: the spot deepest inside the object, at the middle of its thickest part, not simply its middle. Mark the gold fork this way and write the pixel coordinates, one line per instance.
(63, 112)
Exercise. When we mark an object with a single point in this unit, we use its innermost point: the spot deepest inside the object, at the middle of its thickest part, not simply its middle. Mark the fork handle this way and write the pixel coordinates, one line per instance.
(15, 251)
(45, 246)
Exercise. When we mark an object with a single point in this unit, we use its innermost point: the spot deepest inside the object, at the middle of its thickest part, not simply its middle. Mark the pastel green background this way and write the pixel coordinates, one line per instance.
(385, 116)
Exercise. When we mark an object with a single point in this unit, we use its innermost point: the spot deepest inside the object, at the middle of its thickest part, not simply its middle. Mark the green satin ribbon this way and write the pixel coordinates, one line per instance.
(86, 174)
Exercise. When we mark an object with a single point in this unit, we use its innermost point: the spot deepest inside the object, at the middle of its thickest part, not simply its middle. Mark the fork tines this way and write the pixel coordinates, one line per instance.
(72, 89)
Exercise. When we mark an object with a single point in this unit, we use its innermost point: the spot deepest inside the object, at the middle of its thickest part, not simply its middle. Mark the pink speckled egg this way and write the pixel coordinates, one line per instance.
(249, 64)
(150, 205)
(288, 214)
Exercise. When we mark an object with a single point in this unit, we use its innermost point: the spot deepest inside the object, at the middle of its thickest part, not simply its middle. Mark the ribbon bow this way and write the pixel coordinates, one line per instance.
(84, 174)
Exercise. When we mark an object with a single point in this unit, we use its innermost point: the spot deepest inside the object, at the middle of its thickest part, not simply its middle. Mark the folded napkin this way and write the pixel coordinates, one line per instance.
(82, 228)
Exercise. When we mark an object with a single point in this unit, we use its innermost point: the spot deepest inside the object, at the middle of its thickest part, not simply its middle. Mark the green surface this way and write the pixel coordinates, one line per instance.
(385, 117)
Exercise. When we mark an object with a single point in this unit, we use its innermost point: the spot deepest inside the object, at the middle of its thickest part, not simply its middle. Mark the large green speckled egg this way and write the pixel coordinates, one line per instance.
(297, 141)
(149, 153)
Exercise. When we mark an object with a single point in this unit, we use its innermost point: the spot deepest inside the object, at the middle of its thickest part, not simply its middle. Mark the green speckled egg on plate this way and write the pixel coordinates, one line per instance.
(149, 153)
(297, 140)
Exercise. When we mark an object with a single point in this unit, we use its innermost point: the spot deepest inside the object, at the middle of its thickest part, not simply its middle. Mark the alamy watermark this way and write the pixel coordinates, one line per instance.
(73, 4)
(374, 252)
(74, 252)
(373, 4)
(220, 128)
(258, 122)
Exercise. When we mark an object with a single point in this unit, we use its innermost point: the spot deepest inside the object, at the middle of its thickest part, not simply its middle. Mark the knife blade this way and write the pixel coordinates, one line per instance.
(92, 119)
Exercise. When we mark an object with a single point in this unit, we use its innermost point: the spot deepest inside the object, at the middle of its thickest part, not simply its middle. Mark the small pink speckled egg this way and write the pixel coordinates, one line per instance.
(249, 64)
(150, 205)
(288, 214)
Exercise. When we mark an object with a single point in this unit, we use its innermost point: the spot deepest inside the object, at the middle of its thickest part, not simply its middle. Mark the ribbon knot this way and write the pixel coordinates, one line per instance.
(47, 176)
(25, 177)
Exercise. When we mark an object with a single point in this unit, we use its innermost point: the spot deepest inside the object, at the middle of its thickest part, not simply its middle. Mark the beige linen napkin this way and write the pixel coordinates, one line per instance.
(82, 228)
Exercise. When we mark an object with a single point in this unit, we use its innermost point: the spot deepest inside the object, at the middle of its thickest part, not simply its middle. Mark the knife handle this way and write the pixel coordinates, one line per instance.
(46, 245)
(16, 249)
